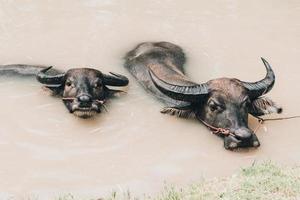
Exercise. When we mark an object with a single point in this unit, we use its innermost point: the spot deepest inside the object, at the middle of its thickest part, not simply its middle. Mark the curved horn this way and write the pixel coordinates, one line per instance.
(50, 80)
(191, 93)
(263, 86)
(115, 80)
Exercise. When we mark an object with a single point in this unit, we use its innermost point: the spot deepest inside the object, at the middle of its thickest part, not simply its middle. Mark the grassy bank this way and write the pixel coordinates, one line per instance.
(259, 182)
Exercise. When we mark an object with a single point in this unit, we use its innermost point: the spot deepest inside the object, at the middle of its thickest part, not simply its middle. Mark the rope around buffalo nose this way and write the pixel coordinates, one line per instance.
(217, 130)
(227, 132)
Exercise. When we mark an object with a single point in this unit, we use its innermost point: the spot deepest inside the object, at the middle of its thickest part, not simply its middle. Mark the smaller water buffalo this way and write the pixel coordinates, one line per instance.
(83, 90)
(222, 104)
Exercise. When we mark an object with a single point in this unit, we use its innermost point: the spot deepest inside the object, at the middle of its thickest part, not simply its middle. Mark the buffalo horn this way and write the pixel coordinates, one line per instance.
(191, 93)
(259, 88)
(49, 80)
(115, 79)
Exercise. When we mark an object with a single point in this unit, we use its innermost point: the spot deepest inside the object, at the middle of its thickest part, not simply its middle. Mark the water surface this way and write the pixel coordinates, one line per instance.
(45, 151)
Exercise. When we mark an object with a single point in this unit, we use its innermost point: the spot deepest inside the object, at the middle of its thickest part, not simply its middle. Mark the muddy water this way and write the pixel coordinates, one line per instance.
(45, 151)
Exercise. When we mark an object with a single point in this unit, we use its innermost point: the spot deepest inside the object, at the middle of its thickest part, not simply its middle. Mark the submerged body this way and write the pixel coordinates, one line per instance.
(222, 103)
(83, 90)
(163, 58)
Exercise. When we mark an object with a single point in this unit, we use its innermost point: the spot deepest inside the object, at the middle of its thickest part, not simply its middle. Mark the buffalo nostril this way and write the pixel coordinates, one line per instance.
(84, 100)
(243, 134)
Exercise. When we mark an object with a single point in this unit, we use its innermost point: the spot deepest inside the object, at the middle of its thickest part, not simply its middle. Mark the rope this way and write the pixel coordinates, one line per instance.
(216, 130)
(72, 99)
(101, 102)
(226, 132)
(262, 120)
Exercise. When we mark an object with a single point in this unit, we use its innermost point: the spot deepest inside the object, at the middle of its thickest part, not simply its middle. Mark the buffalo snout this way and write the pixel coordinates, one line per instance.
(243, 137)
(85, 100)
(243, 133)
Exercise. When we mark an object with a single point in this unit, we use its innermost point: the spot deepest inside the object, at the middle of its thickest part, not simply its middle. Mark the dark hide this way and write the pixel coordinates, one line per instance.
(222, 103)
(83, 90)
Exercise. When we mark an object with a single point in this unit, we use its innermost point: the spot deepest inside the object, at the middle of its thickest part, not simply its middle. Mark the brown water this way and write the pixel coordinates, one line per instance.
(46, 152)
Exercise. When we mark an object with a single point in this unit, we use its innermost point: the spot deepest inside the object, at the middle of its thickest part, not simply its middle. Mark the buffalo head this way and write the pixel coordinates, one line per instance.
(83, 90)
(225, 103)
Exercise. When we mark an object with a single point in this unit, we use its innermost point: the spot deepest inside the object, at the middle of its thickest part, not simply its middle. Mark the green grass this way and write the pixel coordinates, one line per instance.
(259, 182)
(264, 181)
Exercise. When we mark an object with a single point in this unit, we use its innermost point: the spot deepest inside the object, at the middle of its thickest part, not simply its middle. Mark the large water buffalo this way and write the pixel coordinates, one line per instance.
(222, 104)
(83, 90)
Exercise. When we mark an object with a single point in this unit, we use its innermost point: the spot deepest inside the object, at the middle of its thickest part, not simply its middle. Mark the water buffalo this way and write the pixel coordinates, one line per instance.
(83, 90)
(222, 104)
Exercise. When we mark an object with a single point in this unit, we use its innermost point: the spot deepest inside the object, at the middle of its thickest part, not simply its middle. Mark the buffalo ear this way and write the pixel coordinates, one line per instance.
(114, 79)
(113, 93)
(54, 90)
(263, 106)
(182, 112)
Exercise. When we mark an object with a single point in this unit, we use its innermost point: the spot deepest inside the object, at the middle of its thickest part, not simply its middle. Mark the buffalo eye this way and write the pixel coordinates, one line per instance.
(213, 106)
(68, 83)
(246, 102)
(97, 84)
